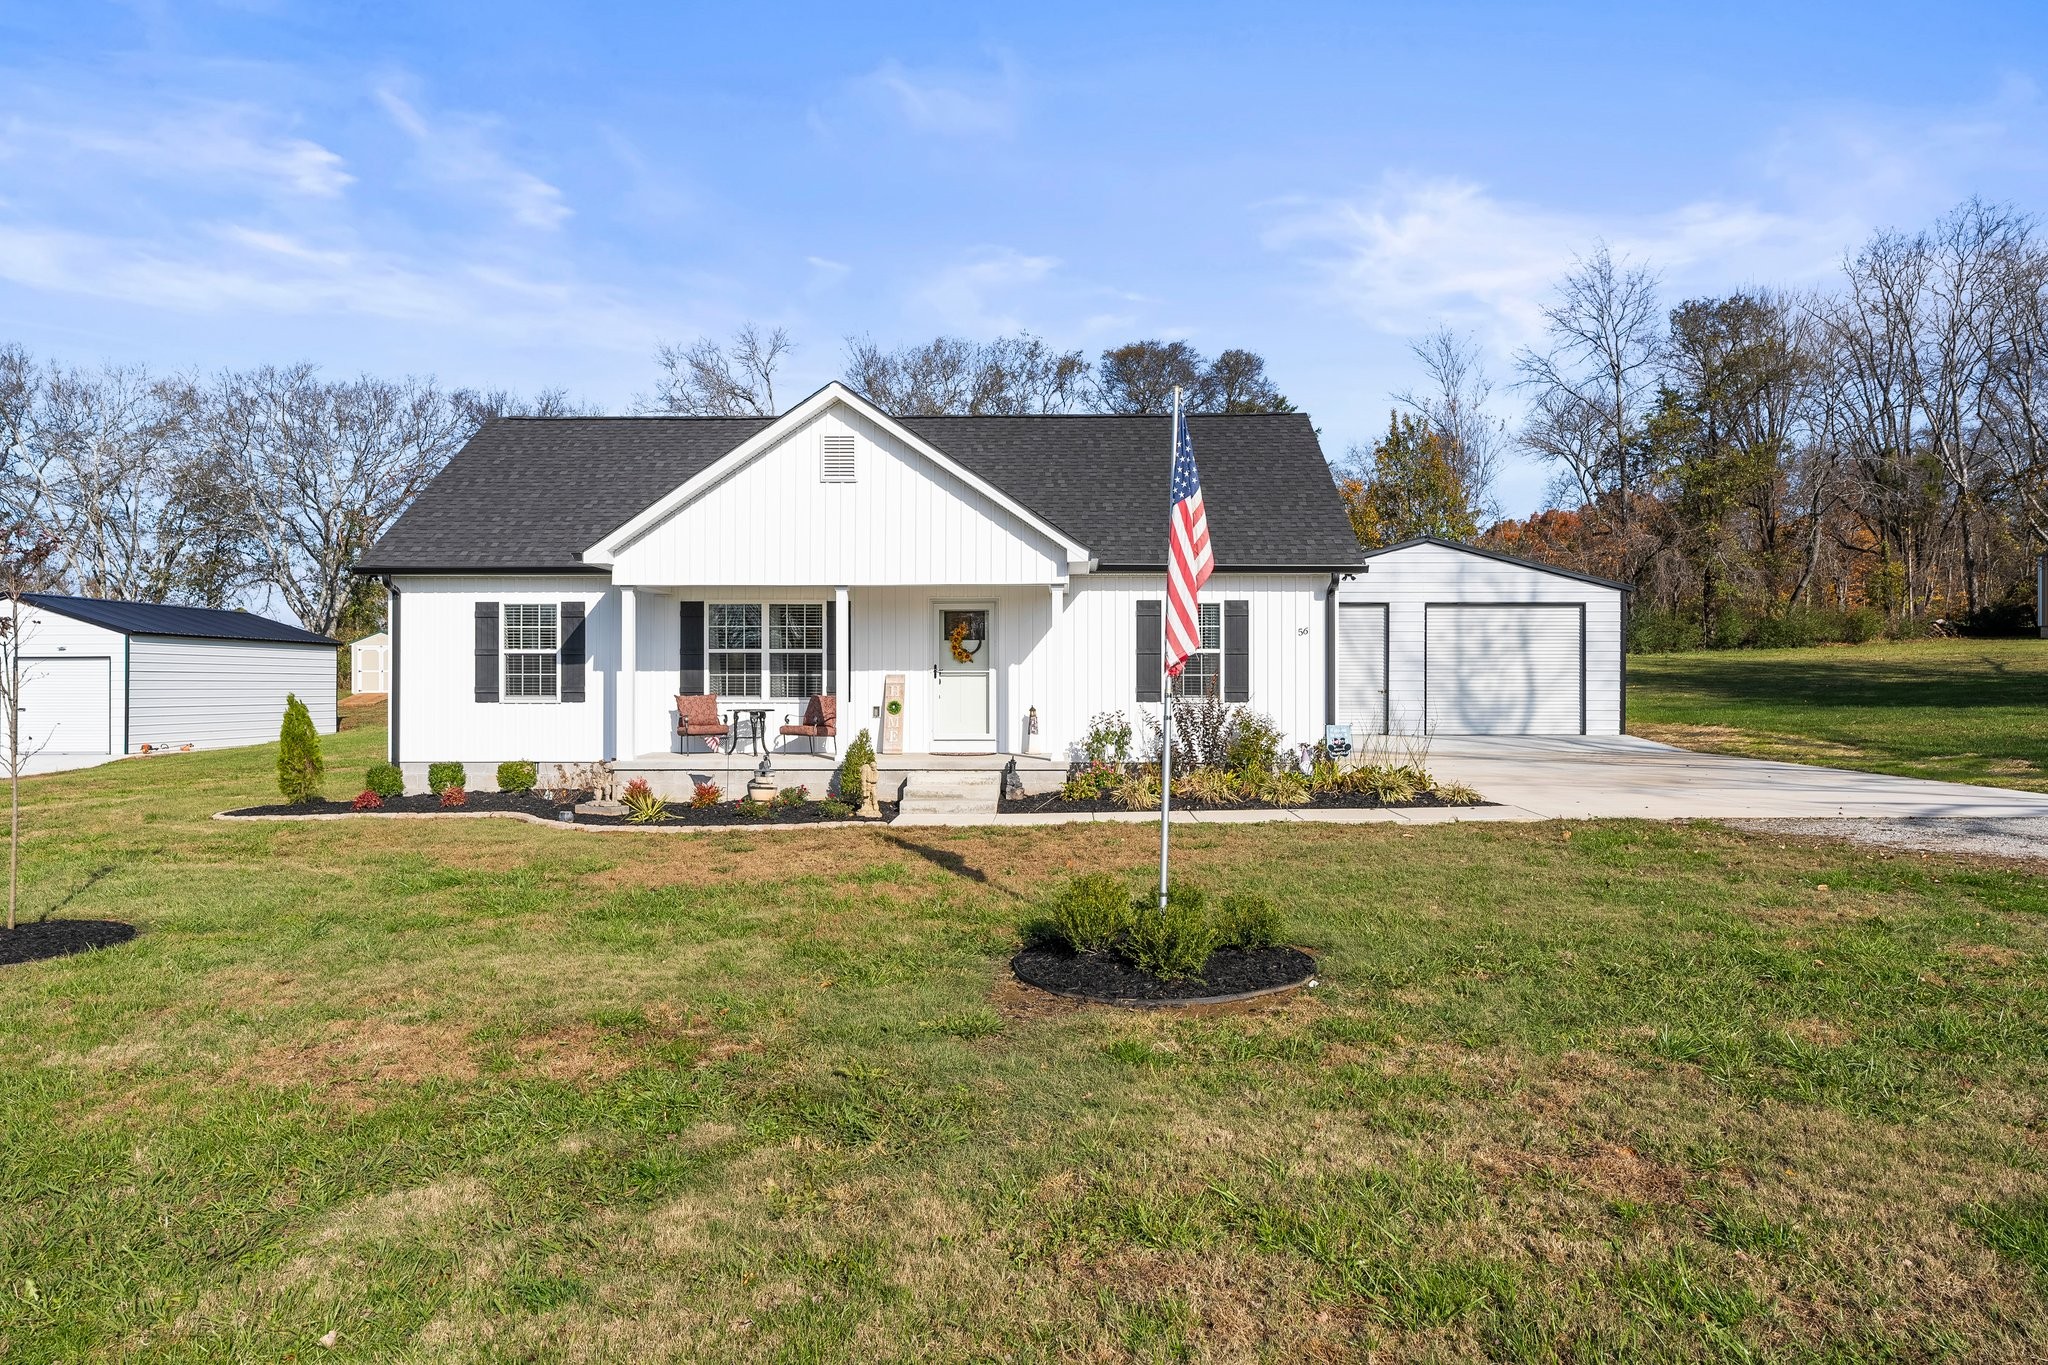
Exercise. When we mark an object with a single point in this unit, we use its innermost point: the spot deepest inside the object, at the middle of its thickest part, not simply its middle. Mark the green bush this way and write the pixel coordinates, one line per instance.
(442, 776)
(1661, 632)
(1248, 919)
(1092, 783)
(643, 807)
(859, 754)
(385, 779)
(754, 810)
(1174, 942)
(298, 754)
(1862, 625)
(1091, 912)
(1109, 739)
(834, 810)
(517, 776)
(1253, 745)
(789, 798)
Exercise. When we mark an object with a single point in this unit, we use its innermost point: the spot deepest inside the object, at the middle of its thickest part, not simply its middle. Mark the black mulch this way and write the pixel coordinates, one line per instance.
(1107, 977)
(549, 808)
(60, 938)
(1053, 803)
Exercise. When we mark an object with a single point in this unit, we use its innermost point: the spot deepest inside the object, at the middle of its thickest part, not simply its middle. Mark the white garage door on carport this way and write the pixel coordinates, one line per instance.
(66, 704)
(1505, 669)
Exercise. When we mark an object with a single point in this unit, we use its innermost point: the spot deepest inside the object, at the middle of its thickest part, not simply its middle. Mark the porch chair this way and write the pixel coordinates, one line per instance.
(821, 721)
(697, 718)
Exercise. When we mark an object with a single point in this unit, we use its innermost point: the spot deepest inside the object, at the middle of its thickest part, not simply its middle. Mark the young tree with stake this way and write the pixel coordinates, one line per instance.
(25, 556)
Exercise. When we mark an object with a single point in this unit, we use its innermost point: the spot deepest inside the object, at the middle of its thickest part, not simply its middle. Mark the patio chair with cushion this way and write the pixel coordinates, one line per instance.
(821, 721)
(697, 718)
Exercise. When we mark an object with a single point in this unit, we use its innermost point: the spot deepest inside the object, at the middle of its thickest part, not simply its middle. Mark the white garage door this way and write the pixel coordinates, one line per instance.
(1504, 670)
(1362, 667)
(65, 705)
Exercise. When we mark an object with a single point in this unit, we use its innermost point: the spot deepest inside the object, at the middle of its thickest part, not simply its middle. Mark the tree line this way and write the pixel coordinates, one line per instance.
(1765, 464)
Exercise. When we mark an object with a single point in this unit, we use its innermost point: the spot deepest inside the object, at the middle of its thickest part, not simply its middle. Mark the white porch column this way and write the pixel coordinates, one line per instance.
(626, 728)
(841, 671)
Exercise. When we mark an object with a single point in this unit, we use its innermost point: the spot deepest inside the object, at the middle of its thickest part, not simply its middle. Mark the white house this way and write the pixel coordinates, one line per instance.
(101, 679)
(564, 580)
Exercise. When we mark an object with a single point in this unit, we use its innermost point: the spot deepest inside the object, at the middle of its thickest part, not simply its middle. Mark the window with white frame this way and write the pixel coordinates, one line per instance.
(532, 652)
(1203, 675)
(783, 662)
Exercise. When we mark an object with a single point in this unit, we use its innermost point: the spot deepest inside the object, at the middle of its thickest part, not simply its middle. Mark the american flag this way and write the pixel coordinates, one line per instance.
(1189, 561)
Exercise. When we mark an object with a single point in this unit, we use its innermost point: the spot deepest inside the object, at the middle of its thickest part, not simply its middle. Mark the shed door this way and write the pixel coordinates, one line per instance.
(1505, 670)
(1362, 667)
(65, 705)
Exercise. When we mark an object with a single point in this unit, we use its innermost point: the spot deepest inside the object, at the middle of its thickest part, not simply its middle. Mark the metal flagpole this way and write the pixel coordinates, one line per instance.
(1165, 678)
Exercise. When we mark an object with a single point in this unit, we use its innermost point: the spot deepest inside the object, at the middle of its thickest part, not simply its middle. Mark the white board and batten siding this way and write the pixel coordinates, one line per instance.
(778, 519)
(72, 683)
(1473, 644)
(214, 694)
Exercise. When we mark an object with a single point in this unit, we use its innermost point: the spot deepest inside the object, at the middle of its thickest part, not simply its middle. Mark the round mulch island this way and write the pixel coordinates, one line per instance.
(60, 938)
(1230, 976)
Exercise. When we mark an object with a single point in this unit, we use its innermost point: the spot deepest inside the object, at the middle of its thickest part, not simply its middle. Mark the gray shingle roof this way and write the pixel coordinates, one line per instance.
(534, 493)
(158, 618)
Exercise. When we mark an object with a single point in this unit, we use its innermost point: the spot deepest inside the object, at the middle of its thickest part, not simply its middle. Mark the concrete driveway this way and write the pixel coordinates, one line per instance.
(1634, 778)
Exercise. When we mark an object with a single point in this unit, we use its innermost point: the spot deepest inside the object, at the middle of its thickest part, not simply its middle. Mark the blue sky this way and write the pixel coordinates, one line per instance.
(535, 195)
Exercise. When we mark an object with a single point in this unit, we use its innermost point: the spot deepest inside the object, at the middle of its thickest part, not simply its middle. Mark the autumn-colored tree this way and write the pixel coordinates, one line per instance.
(1406, 486)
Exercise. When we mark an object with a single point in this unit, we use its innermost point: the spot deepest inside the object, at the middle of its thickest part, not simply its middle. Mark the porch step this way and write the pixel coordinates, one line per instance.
(939, 792)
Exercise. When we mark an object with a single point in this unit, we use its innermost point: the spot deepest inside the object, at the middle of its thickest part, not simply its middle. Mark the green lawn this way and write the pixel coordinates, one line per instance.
(1957, 710)
(480, 1090)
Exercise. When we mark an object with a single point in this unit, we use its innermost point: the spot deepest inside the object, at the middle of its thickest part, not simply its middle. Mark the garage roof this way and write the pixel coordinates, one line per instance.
(159, 618)
(1516, 560)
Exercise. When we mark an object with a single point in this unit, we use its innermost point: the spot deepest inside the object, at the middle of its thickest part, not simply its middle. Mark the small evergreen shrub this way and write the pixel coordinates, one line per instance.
(441, 776)
(517, 776)
(835, 810)
(385, 780)
(367, 800)
(298, 754)
(1248, 919)
(706, 795)
(1091, 912)
(859, 754)
(789, 798)
(1252, 743)
(643, 807)
(453, 798)
(1109, 740)
(1173, 942)
(754, 810)
(1089, 784)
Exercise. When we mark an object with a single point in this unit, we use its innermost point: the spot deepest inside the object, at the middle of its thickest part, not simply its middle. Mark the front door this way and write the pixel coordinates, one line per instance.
(963, 679)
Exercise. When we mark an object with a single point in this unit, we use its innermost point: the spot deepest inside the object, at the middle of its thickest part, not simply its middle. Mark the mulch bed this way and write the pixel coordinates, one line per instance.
(1052, 803)
(1229, 974)
(550, 808)
(60, 938)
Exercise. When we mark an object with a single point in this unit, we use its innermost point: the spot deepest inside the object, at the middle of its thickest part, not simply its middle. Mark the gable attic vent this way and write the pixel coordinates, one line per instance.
(835, 458)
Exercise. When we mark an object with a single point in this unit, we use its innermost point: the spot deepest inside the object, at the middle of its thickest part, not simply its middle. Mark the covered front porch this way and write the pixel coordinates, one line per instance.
(675, 776)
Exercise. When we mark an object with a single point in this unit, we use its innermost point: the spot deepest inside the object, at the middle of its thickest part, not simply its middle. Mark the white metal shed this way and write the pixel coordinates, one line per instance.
(102, 679)
(1442, 638)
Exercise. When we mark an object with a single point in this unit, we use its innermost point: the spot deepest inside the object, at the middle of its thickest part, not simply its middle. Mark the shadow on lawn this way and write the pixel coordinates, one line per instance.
(1839, 684)
(949, 861)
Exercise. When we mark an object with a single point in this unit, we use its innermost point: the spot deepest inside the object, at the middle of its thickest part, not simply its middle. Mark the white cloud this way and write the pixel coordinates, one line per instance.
(458, 150)
(205, 143)
(951, 104)
(967, 296)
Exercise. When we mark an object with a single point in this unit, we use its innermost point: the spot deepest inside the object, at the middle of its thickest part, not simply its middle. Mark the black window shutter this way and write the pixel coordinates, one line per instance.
(487, 651)
(832, 648)
(1237, 651)
(693, 649)
(1151, 650)
(572, 651)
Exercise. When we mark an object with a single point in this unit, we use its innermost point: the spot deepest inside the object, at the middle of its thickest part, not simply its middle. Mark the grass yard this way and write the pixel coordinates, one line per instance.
(478, 1090)
(1955, 710)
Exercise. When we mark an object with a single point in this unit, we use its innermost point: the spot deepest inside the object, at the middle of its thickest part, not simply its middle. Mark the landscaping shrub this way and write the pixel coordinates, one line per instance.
(385, 779)
(706, 795)
(859, 754)
(791, 797)
(298, 754)
(1252, 743)
(1091, 912)
(643, 807)
(453, 798)
(1137, 790)
(1285, 788)
(1211, 787)
(367, 800)
(1248, 919)
(835, 810)
(1325, 774)
(517, 776)
(1862, 625)
(1392, 785)
(756, 810)
(1173, 942)
(1109, 739)
(1090, 784)
(1455, 794)
(441, 776)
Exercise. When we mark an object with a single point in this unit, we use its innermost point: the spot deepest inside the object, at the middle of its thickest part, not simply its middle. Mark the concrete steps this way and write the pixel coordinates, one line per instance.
(929, 792)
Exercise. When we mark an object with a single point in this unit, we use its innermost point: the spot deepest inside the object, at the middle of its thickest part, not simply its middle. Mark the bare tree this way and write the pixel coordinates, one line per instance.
(1140, 377)
(26, 553)
(2014, 413)
(709, 379)
(1454, 406)
(1010, 376)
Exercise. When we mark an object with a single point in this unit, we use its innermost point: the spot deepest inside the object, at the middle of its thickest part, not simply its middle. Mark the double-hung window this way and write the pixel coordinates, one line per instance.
(1203, 675)
(771, 650)
(532, 652)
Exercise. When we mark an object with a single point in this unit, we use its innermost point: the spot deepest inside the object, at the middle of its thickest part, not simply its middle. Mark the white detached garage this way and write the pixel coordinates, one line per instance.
(1442, 638)
(101, 679)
